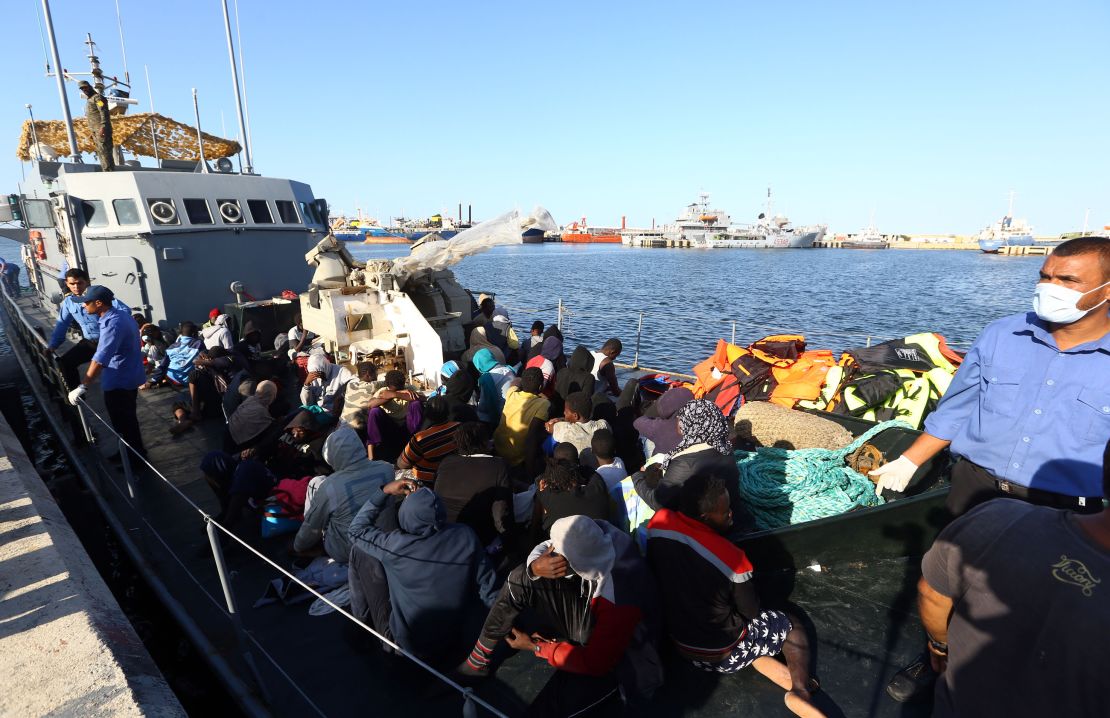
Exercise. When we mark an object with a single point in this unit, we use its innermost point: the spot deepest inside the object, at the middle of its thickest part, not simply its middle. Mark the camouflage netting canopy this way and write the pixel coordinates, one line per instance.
(176, 141)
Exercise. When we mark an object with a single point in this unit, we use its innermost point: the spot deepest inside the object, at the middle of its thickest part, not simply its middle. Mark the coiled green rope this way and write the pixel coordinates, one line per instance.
(788, 486)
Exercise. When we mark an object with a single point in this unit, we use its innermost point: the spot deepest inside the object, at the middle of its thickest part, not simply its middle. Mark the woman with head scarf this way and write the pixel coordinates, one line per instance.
(479, 341)
(493, 385)
(661, 426)
(252, 419)
(458, 389)
(704, 448)
(551, 348)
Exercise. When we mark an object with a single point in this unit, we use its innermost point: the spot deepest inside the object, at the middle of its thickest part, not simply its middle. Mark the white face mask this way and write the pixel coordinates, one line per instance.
(1058, 305)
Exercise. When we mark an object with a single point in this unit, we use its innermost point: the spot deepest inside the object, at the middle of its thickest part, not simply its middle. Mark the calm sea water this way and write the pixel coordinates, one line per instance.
(689, 298)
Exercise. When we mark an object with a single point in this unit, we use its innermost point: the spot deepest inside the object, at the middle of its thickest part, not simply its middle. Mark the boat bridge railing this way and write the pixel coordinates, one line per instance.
(135, 484)
(652, 329)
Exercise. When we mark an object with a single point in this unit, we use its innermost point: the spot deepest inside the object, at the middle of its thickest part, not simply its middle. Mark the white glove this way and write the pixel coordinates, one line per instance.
(77, 394)
(894, 476)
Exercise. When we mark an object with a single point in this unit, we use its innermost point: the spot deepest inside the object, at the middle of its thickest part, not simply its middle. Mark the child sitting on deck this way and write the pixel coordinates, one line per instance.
(574, 426)
(395, 414)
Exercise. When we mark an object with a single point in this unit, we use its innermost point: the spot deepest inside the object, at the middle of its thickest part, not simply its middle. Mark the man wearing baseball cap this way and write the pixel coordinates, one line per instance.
(118, 361)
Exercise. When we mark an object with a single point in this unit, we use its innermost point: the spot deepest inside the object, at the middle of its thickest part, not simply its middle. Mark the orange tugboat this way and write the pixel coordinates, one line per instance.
(581, 233)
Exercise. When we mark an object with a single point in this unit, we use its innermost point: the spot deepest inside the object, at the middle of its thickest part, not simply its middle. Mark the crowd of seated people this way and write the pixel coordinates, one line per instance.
(534, 505)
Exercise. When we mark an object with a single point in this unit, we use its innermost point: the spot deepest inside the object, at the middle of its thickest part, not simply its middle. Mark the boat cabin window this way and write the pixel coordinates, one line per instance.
(230, 211)
(260, 211)
(287, 211)
(94, 213)
(163, 211)
(309, 212)
(38, 213)
(197, 211)
(127, 212)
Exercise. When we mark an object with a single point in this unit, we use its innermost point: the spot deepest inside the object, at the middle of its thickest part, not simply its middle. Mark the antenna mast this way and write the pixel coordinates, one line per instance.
(200, 137)
(66, 116)
(122, 47)
(243, 78)
(249, 168)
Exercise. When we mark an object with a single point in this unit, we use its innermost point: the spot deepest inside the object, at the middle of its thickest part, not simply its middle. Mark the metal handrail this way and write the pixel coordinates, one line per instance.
(565, 313)
(470, 699)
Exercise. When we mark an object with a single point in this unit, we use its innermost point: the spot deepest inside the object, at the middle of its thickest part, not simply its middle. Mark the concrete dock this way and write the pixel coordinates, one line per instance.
(66, 648)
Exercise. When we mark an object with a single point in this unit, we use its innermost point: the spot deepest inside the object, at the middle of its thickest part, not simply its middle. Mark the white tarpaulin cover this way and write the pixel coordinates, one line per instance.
(505, 229)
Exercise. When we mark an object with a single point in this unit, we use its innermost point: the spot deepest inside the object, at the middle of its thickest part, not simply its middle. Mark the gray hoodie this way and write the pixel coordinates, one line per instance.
(339, 496)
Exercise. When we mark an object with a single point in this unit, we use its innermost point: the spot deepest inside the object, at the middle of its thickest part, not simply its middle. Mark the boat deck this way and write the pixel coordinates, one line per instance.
(860, 611)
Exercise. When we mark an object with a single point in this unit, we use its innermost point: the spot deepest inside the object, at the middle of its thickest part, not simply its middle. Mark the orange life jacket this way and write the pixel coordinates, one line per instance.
(802, 380)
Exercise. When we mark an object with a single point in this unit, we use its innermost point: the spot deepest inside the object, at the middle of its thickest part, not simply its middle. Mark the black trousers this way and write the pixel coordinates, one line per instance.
(563, 614)
(120, 404)
(71, 361)
(973, 485)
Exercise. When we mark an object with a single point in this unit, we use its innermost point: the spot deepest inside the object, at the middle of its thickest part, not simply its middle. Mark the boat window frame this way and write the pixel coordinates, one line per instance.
(133, 212)
(252, 203)
(44, 207)
(308, 211)
(207, 219)
(98, 210)
(292, 208)
(151, 201)
(220, 202)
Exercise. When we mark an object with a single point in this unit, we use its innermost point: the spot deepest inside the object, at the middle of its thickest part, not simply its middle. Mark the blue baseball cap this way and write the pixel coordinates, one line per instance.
(94, 293)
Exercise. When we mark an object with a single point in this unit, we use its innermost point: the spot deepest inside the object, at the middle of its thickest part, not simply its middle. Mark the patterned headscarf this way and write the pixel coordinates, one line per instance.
(701, 422)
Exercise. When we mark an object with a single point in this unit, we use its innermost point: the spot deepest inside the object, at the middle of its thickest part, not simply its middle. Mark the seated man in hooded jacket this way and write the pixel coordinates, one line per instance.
(324, 384)
(577, 376)
(423, 584)
(333, 500)
(594, 593)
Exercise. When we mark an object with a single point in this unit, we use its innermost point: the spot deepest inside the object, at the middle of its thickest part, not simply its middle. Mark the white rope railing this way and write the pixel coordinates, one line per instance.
(466, 692)
(128, 452)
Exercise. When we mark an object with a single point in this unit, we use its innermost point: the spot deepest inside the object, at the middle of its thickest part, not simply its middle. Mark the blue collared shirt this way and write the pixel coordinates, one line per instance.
(1028, 412)
(119, 351)
(73, 311)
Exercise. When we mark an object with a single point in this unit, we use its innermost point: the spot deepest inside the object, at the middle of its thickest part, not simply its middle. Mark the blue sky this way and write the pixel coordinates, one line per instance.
(926, 113)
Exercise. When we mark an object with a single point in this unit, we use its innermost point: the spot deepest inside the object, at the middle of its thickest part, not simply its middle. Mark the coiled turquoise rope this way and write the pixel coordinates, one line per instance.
(788, 486)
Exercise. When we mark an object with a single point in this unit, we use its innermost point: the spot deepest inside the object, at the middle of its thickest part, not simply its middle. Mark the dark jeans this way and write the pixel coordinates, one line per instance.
(369, 592)
(973, 485)
(120, 404)
(71, 361)
(564, 615)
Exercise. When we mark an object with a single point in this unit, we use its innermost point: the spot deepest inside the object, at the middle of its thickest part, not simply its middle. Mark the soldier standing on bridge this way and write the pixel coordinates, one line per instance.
(100, 126)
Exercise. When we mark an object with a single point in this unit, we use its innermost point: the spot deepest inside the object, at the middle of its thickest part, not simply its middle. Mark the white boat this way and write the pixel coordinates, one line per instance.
(770, 231)
(867, 239)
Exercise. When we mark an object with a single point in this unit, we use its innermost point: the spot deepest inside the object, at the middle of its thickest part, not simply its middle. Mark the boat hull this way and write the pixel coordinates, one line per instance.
(445, 233)
(792, 241)
(587, 238)
(859, 244)
(903, 526)
(994, 246)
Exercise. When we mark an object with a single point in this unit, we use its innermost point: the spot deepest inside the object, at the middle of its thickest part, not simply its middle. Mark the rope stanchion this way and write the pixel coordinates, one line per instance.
(213, 525)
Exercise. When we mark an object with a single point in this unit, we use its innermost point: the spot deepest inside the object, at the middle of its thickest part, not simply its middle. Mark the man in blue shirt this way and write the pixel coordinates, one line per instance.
(1028, 412)
(70, 311)
(118, 360)
(9, 275)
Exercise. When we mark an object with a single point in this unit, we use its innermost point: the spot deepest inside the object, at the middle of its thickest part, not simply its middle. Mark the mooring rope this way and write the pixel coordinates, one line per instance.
(788, 486)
